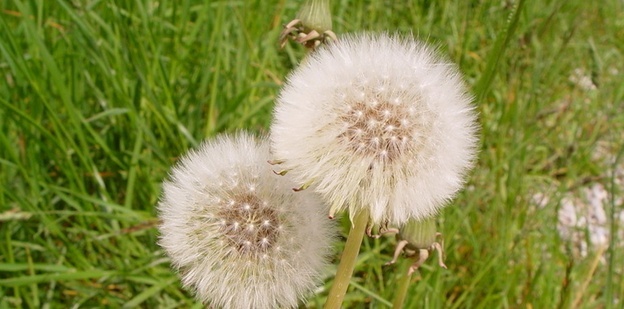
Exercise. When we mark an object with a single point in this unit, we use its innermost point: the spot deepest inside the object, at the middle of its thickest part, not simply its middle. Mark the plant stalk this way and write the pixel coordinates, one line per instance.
(403, 285)
(347, 262)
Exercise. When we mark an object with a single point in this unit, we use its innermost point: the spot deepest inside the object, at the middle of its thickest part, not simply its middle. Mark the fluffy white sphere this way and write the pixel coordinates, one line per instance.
(237, 233)
(377, 122)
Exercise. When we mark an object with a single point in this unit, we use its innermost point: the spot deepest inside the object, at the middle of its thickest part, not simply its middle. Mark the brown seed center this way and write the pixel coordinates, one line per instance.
(380, 127)
(248, 223)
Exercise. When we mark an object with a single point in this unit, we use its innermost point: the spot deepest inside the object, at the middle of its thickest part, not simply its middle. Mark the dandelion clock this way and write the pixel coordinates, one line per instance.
(236, 232)
(379, 123)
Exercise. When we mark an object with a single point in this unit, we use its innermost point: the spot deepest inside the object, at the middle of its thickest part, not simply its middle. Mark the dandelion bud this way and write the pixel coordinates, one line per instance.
(315, 15)
(236, 232)
(377, 122)
(312, 26)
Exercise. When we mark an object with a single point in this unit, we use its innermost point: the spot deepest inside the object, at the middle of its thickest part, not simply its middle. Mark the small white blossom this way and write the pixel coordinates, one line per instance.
(237, 233)
(377, 121)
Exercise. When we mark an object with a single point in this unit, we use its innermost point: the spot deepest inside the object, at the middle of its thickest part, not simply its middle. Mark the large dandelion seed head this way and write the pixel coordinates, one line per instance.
(240, 237)
(377, 121)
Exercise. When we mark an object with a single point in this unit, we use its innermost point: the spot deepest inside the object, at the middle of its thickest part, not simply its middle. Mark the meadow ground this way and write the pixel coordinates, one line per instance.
(99, 98)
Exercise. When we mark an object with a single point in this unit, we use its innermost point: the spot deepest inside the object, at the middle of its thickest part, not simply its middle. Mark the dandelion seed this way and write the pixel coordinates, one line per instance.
(377, 122)
(236, 247)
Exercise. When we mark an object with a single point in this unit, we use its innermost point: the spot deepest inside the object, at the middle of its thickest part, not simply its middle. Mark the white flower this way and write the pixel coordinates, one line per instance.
(377, 121)
(237, 233)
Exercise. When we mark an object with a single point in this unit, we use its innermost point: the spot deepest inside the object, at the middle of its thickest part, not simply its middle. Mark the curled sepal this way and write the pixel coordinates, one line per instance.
(312, 26)
(303, 186)
(416, 238)
(281, 173)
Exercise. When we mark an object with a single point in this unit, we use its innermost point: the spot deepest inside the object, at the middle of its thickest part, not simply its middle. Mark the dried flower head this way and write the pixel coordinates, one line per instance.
(377, 121)
(237, 233)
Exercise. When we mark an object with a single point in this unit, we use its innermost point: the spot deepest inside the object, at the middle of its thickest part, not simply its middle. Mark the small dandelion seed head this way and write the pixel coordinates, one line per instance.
(226, 238)
(387, 124)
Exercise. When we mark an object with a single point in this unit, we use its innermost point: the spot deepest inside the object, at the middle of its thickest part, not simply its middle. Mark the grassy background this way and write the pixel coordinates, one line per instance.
(99, 98)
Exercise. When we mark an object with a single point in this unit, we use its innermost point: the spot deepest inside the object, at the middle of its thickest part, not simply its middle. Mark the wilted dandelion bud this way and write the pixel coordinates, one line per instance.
(237, 233)
(377, 122)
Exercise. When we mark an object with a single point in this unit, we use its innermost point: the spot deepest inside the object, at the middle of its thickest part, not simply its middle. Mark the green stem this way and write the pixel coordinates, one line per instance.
(502, 41)
(347, 262)
(404, 283)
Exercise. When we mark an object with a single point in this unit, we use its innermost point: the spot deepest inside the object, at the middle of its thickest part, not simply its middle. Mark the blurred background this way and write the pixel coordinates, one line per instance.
(99, 98)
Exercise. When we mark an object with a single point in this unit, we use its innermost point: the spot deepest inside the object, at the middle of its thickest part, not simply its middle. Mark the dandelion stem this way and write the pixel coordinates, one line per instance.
(403, 285)
(347, 261)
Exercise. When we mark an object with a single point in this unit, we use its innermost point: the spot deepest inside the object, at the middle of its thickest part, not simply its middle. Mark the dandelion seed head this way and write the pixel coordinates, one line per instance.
(229, 238)
(377, 121)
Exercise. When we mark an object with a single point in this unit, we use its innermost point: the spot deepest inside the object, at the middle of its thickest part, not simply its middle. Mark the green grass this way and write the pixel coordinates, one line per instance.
(99, 98)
